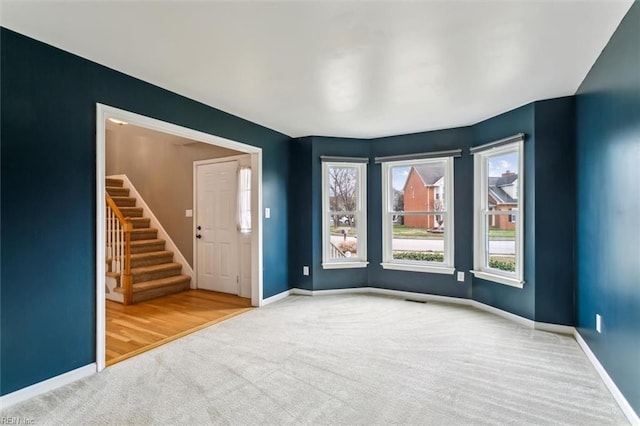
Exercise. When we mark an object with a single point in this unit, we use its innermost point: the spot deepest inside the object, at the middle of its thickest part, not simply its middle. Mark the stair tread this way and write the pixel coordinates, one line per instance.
(147, 254)
(161, 282)
(143, 230)
(154, 268)
(159, 253)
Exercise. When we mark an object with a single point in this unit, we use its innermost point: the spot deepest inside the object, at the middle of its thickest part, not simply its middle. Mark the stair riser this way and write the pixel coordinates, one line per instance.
(125, 202)
(156, 275)
(131, 211)
(159, 292)
(156, 260)
(139, 223)
(118, 192)
(147, 249)
(114, 182)
(137, 236)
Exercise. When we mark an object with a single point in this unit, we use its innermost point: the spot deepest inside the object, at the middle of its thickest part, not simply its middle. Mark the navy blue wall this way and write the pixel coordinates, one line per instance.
(300, 213)
(48, 199)
(608, 207)
(305, 187)
(511, 299)
(555, 189)
(306, 231)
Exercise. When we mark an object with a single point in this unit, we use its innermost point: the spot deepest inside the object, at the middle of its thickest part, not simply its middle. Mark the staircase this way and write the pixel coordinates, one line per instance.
(153, 271)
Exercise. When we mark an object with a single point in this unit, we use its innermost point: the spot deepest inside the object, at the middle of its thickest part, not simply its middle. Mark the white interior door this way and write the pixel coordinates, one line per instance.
(216, 229)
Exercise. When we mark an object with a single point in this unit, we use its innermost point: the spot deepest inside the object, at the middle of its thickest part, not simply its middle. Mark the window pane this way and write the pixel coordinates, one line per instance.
(343, 189)
(399, 176)
(418, 188)
(500, 243)
(343, 236)
(502, 182)
(418, 237)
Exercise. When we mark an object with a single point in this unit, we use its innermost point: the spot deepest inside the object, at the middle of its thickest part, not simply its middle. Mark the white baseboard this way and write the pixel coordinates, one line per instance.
(632, 416)
(555, 328)
(504, 314)
(275, 297)
(422, 297)
(302, 292)
(47, 385)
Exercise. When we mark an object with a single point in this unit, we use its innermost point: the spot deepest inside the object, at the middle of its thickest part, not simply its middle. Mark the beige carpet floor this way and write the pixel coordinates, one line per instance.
(344, 360)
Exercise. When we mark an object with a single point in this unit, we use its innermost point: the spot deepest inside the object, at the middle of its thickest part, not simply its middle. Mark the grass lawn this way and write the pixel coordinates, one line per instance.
(337, 230)
(401, 231)
(502, 234)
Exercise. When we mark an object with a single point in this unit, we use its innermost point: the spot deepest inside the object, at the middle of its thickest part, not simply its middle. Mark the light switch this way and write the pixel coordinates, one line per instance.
(188, 213)
(267, 212)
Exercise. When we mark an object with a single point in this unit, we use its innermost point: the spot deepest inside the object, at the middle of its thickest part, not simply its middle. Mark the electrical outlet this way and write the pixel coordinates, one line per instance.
(267, 213)
(460, 276)
(188, 213)
(598, 323)
(305, 270)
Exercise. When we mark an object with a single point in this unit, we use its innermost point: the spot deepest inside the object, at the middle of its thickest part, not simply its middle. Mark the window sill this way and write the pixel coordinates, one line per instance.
(344, 265)
(418, 268)
(498, 279)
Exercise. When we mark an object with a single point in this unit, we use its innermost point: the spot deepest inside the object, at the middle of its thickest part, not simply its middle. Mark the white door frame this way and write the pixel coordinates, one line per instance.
(103, 113)
(197, 163)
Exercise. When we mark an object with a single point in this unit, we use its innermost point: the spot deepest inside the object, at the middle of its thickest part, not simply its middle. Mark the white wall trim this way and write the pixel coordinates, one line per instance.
(303, 292)
(419, 296)
(104, 112)
(555, 328)
(155, 223)
(504, 314)
(47, 385)
(276, 297)
(628, 411)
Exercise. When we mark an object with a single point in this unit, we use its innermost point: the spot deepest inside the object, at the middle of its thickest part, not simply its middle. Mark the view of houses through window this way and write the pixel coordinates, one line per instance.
(418, 223)
(418, 193)
(498, 214)
(502, 211)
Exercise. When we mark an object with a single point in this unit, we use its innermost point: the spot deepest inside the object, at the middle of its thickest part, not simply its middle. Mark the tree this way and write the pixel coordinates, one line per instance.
(398, 205)
(438, 206)
(343, 193)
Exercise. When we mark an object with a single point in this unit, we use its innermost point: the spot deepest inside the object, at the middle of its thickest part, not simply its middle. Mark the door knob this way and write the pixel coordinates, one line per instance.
(198, 236)
(199, 227)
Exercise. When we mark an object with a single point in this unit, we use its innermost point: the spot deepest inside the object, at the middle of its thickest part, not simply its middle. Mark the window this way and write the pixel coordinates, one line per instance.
(417, 230)
(244, 200)
(344, 214)
(498, 213)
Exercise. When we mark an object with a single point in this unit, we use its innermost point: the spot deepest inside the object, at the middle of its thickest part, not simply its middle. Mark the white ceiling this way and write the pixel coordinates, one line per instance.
(352, 68)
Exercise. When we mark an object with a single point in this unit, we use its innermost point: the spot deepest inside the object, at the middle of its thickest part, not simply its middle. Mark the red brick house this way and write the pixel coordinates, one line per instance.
(424, 191)
(503, 195)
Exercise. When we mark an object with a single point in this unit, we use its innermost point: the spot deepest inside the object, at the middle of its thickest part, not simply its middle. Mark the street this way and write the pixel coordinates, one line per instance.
(410, 244)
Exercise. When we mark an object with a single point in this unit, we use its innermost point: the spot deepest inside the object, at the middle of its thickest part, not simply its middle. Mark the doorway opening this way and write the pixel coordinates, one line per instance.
(109, 119)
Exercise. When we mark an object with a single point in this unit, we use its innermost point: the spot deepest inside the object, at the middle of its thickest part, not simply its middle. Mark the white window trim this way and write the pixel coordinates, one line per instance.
(480, 198)
(359, 261)
(387, 228)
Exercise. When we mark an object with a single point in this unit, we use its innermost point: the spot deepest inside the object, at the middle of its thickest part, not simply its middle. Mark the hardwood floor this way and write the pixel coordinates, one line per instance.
(133, 329)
